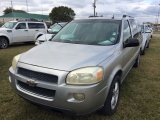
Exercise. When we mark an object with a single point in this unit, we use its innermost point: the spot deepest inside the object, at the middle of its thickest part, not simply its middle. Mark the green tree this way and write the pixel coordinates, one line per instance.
(62, 13)
(9, 10)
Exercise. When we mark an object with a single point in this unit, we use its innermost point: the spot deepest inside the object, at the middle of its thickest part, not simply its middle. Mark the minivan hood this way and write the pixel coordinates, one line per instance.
(66, 56)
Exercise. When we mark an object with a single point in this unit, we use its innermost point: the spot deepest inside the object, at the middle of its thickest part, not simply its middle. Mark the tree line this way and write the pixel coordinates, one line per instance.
(61, 13)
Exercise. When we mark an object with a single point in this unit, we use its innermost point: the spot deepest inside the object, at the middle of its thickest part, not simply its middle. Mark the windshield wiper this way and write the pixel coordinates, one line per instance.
(92, 43)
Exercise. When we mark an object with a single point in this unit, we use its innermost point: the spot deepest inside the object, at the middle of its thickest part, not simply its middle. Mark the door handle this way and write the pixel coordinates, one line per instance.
(37, 30)
(25, 30)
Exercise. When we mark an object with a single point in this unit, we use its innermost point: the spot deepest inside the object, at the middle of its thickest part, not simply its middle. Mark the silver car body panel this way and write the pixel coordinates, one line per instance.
(66, 59)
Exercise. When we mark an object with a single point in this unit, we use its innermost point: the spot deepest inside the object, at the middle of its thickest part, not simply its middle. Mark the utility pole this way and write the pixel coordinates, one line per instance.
(158, 16)
(94, 7)
(12, 10)
(27, 5)
(158, 13)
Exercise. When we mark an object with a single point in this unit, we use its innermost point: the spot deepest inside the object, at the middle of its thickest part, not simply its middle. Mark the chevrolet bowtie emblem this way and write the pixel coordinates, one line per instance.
(32, 83)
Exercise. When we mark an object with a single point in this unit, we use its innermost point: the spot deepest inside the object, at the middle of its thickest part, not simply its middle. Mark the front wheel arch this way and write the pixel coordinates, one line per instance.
(107, 108)
(39, 36)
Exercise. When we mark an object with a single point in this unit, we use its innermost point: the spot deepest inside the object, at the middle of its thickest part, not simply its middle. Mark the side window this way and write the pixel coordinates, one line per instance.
(126, 31)
(40, 25)
(32, 25)
(148, 29)
(21, 26)
(134, 27)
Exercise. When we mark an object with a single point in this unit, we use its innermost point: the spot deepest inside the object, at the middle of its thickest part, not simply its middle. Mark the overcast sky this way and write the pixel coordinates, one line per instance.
(143, 10)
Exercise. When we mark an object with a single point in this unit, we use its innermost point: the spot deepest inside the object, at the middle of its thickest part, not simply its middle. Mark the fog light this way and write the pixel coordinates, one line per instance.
(79, 96)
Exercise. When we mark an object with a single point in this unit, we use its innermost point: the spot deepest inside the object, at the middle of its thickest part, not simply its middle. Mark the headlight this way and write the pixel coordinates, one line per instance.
(84, 76)
(15, 61)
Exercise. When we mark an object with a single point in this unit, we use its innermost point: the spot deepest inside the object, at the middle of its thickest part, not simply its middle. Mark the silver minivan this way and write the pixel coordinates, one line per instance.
(81, 69)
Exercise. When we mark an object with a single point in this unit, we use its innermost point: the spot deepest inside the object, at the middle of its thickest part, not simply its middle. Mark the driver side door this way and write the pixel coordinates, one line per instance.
(127, 52)
(20, 33)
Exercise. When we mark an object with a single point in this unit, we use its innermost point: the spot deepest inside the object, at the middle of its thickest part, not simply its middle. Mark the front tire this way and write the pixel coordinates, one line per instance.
(3, 43)
(112, 100)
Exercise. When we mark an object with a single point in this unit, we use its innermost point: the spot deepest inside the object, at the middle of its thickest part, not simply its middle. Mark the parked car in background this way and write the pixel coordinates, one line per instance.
(150, 27)
(81, 69)
(54, 29)
(20, 31)
(146, 33)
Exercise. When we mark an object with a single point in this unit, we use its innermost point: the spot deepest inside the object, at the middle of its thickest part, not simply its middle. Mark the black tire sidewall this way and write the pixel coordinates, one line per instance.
(107, 110)
(137, 63)
(6, 42)
(148, 45)
(143, 52)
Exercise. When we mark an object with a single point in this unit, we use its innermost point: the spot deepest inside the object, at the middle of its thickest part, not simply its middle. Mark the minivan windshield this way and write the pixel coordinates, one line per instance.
(9, 25)
(90, 32)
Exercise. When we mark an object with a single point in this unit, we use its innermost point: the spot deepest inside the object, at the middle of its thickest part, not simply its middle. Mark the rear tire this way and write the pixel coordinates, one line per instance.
(3, 43)
(112, 100)
(144, 50)
(137, 63)
(148, 45)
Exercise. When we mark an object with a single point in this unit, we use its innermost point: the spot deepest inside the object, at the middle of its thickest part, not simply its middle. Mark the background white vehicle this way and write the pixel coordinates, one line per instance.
(43, 38)
(146, 33)
(20, 31)
(54, 29)
(150, 27)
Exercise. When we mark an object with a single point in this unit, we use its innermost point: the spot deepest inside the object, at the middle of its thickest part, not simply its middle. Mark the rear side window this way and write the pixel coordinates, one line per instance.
(40, 25)
(36, 26)
(32, 25)
(126, 31)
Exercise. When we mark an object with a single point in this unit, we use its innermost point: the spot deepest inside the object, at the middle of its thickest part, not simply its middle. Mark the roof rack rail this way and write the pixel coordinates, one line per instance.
(28, 21)
(127, 16)
(95, 16)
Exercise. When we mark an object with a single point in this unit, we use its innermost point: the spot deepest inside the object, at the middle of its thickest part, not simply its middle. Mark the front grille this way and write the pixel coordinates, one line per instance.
(36, 90)
(38, 76)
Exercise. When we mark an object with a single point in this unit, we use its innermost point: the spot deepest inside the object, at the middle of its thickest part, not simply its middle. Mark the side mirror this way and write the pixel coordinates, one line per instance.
(49, 30)
(52, 37)
(131, 42)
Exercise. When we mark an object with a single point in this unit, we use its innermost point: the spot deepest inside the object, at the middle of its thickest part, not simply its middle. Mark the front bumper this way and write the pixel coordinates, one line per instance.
(95, 95)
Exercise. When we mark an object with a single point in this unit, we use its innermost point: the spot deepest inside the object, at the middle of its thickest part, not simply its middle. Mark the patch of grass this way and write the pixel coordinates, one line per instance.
(156, 32)
(139, 99)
